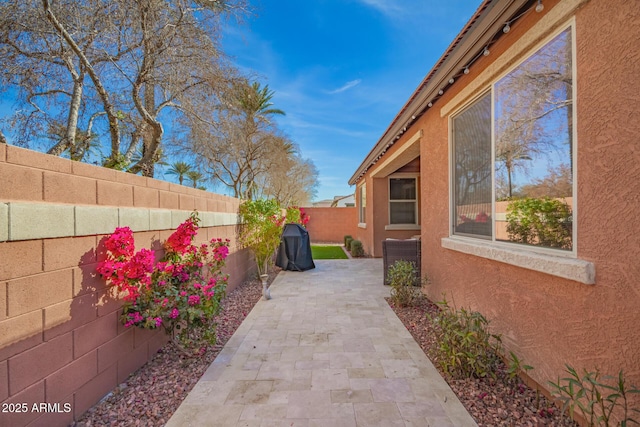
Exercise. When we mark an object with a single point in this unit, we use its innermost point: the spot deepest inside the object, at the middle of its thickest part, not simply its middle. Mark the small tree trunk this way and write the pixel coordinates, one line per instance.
(114, 129)
(69, 139)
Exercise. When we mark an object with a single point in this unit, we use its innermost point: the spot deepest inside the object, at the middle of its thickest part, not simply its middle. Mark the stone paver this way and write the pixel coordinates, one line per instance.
(326, 350)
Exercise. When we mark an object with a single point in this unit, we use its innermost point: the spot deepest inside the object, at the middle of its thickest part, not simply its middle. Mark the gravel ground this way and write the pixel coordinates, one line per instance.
(498, 402)
(152, 394)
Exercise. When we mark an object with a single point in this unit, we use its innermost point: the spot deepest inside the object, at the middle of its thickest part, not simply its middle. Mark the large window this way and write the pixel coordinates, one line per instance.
(403, 200)
(513, 154)
(362, 204)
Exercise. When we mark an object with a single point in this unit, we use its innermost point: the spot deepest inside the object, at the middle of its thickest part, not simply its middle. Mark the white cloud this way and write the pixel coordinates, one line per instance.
(346, 86)
(388, 7)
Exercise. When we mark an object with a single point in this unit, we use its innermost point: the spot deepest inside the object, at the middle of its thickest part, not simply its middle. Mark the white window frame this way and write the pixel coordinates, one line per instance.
(416, 201)
(562, 263)
(362, 205)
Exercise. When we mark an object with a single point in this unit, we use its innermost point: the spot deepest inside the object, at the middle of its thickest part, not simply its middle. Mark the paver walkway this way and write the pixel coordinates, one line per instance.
(325, 351)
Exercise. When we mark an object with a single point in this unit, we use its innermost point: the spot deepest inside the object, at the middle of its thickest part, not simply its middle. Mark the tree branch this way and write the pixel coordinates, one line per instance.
(108, 106)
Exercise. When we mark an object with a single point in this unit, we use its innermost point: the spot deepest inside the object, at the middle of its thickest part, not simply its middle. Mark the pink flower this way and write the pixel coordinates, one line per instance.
(120, 243)
(134, 318)
(220, 253)
(154, 286)
(180, 240)
(482, 217)
(140, 264)
(108, 268)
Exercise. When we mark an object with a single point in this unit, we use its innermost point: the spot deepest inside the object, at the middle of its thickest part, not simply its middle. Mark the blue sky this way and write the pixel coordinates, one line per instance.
(342, 69)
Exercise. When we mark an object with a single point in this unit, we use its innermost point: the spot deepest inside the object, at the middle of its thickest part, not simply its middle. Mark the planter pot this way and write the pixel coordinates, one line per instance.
(265, 291)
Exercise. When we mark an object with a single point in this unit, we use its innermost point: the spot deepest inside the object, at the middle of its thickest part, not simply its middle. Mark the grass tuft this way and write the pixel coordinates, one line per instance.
(327, 252)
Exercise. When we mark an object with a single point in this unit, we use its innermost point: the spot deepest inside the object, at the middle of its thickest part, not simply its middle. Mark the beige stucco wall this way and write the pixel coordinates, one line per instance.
(547, 320)
(374, 231)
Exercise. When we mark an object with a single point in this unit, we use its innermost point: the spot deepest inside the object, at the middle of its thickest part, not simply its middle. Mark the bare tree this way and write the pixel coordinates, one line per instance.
(292, 181)
(46, 72)
(140, 57)
(176, 60)
(234, 142)
(557, 183)
(88, 66)
(533, 110)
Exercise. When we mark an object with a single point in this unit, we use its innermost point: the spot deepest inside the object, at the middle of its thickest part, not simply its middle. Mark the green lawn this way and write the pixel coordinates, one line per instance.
(327, 252)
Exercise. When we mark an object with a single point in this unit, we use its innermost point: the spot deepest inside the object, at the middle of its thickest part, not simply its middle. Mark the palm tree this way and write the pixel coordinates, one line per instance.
(255, 107)
(180, 169)
(255, 102)
(194, 177)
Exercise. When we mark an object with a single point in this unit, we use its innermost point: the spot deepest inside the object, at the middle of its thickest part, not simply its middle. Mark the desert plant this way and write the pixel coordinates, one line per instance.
(515, 366)
(356, 248)
(297, 215)
(466, 346)
(425, 280)
(260, 230)
(402, 279)
(540, 221)
(181, 293)
(600, 399)
(347, 242)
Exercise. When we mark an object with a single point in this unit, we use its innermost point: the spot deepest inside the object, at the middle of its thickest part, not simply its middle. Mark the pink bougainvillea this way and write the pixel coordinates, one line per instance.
(180, 241)
(296, 215)
(171, 292)
(120, 244)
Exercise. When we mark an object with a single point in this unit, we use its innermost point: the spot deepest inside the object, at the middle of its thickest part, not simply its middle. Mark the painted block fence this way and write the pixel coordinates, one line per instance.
(330, 225)
(61, 342)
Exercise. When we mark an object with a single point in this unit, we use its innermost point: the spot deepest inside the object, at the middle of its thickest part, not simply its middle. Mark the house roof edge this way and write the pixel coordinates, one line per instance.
(479, 29)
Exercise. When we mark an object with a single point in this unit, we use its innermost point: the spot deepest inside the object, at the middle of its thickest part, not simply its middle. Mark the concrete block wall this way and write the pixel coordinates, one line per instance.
(330, 225)
(61, 341)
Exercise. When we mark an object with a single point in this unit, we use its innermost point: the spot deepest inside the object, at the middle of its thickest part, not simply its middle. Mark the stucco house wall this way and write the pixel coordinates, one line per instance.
(375, 229)
(61, 340)
(548, 320)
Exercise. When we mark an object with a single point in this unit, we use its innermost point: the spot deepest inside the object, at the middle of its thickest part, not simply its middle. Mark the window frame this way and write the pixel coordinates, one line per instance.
(488, 87)
(416, 201)
(361, 201)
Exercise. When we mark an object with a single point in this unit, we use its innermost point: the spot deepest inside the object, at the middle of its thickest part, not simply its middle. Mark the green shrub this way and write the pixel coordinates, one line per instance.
(260, 230)
(466, 348)
(347, 242)
(540, 221)
(600, 398)
(515, 367)
(402, 279)
(356, 248)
